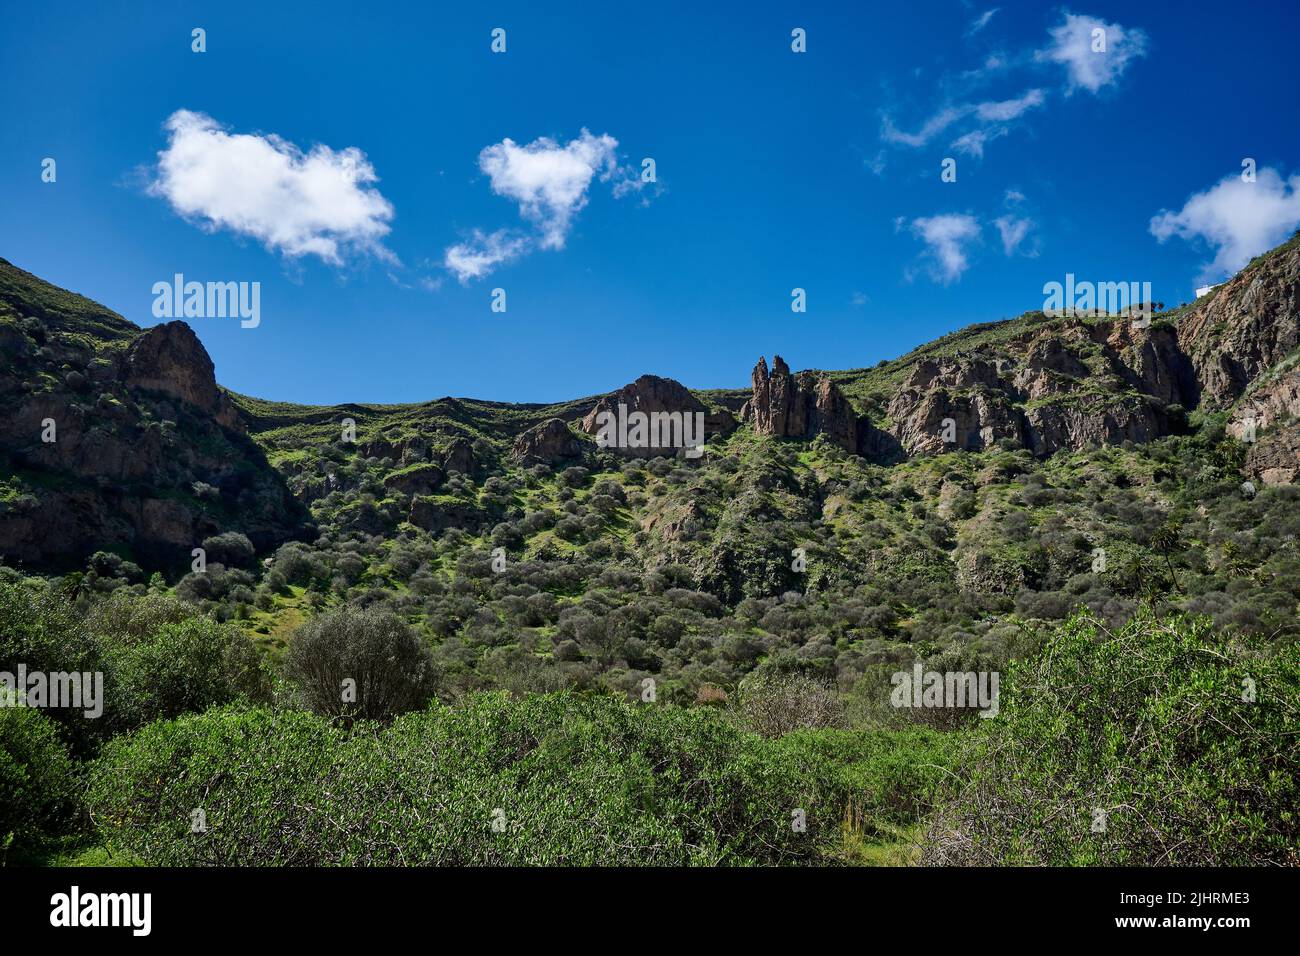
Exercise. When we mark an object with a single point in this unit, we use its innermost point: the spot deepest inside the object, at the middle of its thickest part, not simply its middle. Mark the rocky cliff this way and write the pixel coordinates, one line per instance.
(1049, 384)
(806, 405)
(119, 439)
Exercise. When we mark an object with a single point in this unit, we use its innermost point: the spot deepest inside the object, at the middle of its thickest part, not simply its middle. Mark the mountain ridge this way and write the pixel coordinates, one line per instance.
(123, 472)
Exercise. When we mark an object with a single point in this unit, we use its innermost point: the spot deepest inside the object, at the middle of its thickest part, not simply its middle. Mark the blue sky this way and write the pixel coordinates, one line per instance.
(365, 166)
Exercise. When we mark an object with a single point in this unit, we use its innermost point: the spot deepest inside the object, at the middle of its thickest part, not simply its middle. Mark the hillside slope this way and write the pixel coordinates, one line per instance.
(151, 456)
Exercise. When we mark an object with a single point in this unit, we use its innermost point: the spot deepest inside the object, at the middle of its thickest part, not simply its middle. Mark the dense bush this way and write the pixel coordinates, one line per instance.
(37, 792)
(231, 548)
(390, 671)
(774, 704)
(159, 658)
(244, 780)
(888, 777)
(1158, 744)
(181, 667)
(555, 779)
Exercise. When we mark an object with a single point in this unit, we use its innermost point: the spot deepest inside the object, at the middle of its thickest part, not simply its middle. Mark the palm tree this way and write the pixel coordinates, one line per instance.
(1165, 541)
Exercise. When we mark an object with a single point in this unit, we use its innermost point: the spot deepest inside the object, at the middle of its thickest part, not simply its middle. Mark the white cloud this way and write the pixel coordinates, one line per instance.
(481, 253)
(550, 181)
(947, 237)
(1088, 68)
(1013, 230)
(315, 203)
(1071, 44)
(1238, 219)
(980, 22)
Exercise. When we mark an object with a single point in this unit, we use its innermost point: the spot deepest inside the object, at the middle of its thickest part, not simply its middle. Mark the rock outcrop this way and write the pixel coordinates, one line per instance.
(419, 479)
(437, 515)
(1267, 418)
(806, 405)
(1245, 326)
(548, 441)
(459, 456)
(790, 406)
(653, 395)
(170, 359)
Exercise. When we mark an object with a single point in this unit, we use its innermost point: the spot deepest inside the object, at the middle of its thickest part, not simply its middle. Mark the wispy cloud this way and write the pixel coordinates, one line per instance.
(973, 143)
(950, 238)
(980, 22)
(293, 202)
(1095, 53)
(935, 125)
(1239, 220)
(1003, 111)
(1015, 226)
(1013, 230)
(987, 115)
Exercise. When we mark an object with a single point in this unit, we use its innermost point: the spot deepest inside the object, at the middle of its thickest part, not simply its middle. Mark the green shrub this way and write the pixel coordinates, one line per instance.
(182, 667)
(1138, 747)
(773, 704)
(565, 779)
(255, 777)
(41, 628)
(36, 777)
(390, 669)
(159, 657)
(230, 548)
(891, 776)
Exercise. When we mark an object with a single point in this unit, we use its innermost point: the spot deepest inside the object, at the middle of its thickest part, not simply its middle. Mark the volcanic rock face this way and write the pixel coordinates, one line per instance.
(1268, 419)
(436, 516)
(977, 421)
(119, 438)
(1275, 459)
(790, 406)
(1154, 364)
(415, 480)
(548, 441)
(1071, 383)
(1244, 327)
(1050, 428)
(805, 405)
(649, 395)
(170, 359)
